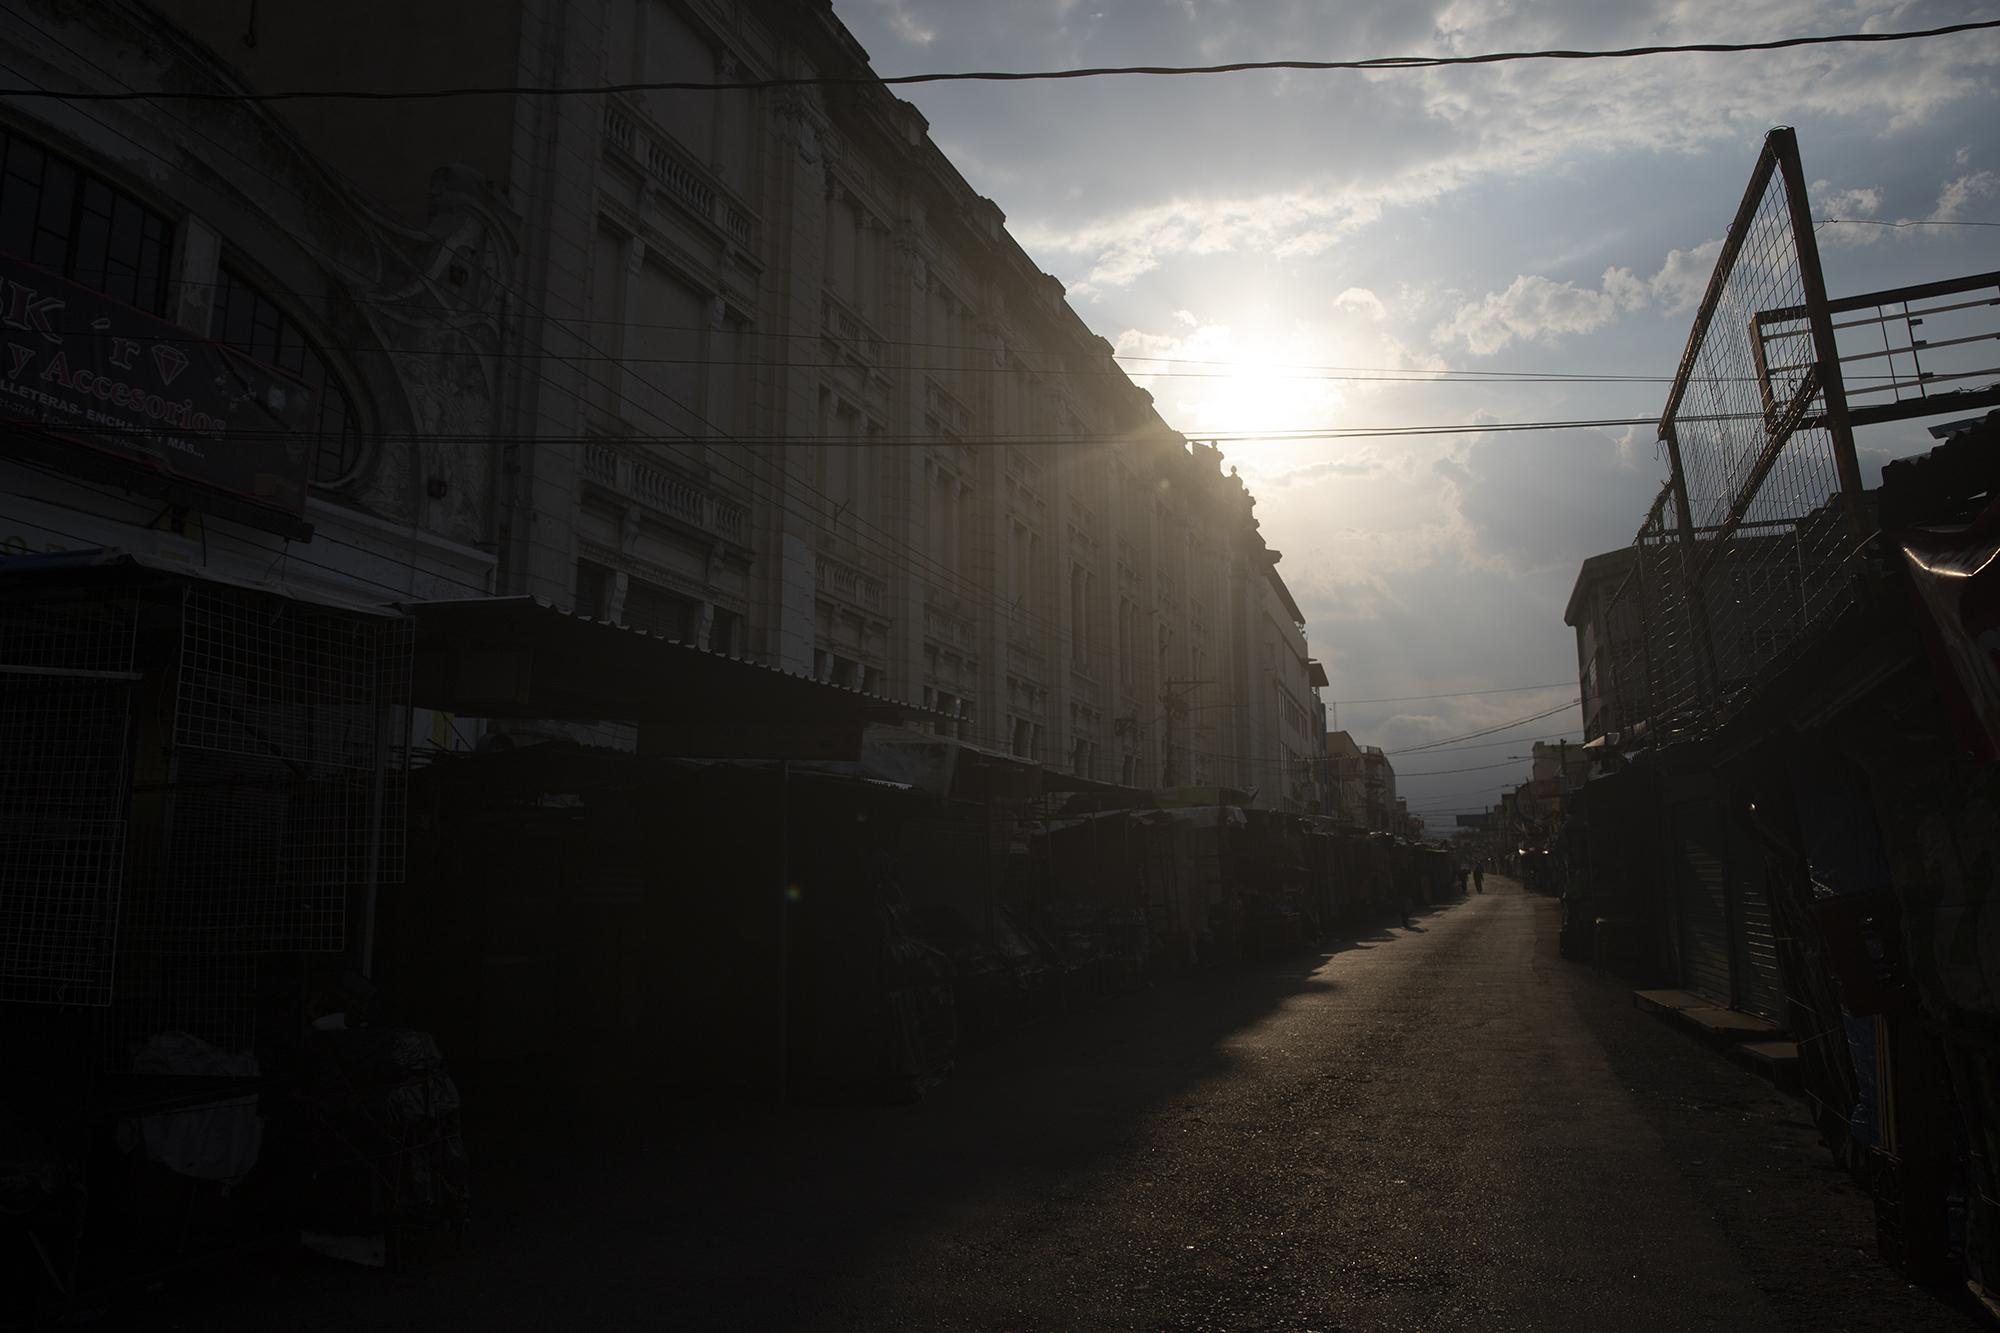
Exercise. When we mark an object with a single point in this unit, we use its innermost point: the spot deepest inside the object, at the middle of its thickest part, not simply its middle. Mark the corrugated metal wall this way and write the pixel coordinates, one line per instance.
(1701, 897)
(1759, 990)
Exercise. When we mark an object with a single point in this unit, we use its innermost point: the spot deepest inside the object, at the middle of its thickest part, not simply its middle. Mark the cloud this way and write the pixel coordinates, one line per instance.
(1124, 248)
(1365, 463)
(1534, 502)
(1955, 197)
(1683, 278)
(1675, 288)
(1532, 308)
(1958, 193)
(905, 23)
(1361, 301)
(1295, 169)
(1860, 203)
(1539, 309)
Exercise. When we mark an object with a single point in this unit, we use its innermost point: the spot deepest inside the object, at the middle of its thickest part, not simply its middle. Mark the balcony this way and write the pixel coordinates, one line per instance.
(851, 332)
(627, 135)
(943, 622)
(1087, 672)
(664, 492)
(947, 409)
(850, 584)
(1024, 634)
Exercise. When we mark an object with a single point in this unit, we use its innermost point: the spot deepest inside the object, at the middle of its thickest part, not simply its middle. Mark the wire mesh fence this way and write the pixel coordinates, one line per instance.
(282, 790)
(198, 783)
(67, 675)
(1756, 536)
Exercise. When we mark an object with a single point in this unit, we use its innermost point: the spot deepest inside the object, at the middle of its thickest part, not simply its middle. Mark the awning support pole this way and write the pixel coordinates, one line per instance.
(376, 799)
(784, 928)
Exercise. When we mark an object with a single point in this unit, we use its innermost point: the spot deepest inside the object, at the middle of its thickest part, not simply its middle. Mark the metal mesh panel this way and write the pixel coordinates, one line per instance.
(1752, 543)
(282, 728)
(394, 661)
(269, 678)
(209, 994)
(66, 681)
(1674, 674)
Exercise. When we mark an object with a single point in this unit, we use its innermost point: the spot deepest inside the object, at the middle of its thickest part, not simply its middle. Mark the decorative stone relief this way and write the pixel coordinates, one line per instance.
(799, 108)
(437, 301)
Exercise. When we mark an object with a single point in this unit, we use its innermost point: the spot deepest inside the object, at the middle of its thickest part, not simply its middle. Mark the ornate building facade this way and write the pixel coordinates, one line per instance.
(223, 265)
(773, 379)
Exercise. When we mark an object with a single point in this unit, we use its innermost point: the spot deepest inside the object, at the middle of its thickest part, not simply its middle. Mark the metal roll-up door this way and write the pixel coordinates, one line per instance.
(1701, 892)
(1759, 987)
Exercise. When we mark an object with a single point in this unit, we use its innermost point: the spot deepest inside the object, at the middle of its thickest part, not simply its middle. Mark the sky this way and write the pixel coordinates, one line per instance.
(1283, 240)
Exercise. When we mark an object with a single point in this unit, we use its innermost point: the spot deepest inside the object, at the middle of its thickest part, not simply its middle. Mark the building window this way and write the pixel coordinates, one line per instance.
(252, 323)
(1079, 615)
(69, 221)
(594, 585)
(1128, 659)
(725, 632)
(656, 610)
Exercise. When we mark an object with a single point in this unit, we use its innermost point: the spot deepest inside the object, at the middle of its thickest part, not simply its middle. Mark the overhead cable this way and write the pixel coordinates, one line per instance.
(1459, 694)
(1488, 731)
(1374, 64)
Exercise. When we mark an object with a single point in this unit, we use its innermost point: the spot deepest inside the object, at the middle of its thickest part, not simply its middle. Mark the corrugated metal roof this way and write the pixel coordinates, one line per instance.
(630, 668)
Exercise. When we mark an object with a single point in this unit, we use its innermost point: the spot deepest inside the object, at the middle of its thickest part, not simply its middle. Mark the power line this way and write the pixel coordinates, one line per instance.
(1037, 439)
(1373, 63)
(1226, 370)
(1230, 370)
(1436, 798)
(1416, 374)
(1908, 222)
(1519, 721)
(1488, 745)
(1460, 694)
(1508, 762)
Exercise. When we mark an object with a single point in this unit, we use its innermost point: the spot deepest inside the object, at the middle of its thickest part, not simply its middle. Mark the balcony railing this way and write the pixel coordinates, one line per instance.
(943, 621)
(948, 628)
(949, 411)
(844, 326)
(680, 179)
(619, 129)
(663, 491)
(848, 583)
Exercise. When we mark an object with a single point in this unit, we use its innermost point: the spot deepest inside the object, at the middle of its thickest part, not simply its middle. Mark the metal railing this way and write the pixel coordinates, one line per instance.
(679, 177)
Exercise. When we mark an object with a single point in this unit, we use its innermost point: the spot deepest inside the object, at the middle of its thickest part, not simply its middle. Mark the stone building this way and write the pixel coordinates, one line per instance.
(776, 381)
(1363, 783)
(1607, 612)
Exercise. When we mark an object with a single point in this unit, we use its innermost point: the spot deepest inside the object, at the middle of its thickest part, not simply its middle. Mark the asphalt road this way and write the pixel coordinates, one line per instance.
(1430, 1128)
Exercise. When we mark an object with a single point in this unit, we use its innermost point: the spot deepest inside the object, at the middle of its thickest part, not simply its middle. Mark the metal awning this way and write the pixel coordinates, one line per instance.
(113, 565)
(522, 657)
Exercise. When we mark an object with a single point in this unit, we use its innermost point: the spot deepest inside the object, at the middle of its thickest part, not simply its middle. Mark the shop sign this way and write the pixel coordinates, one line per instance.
(88, 369)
